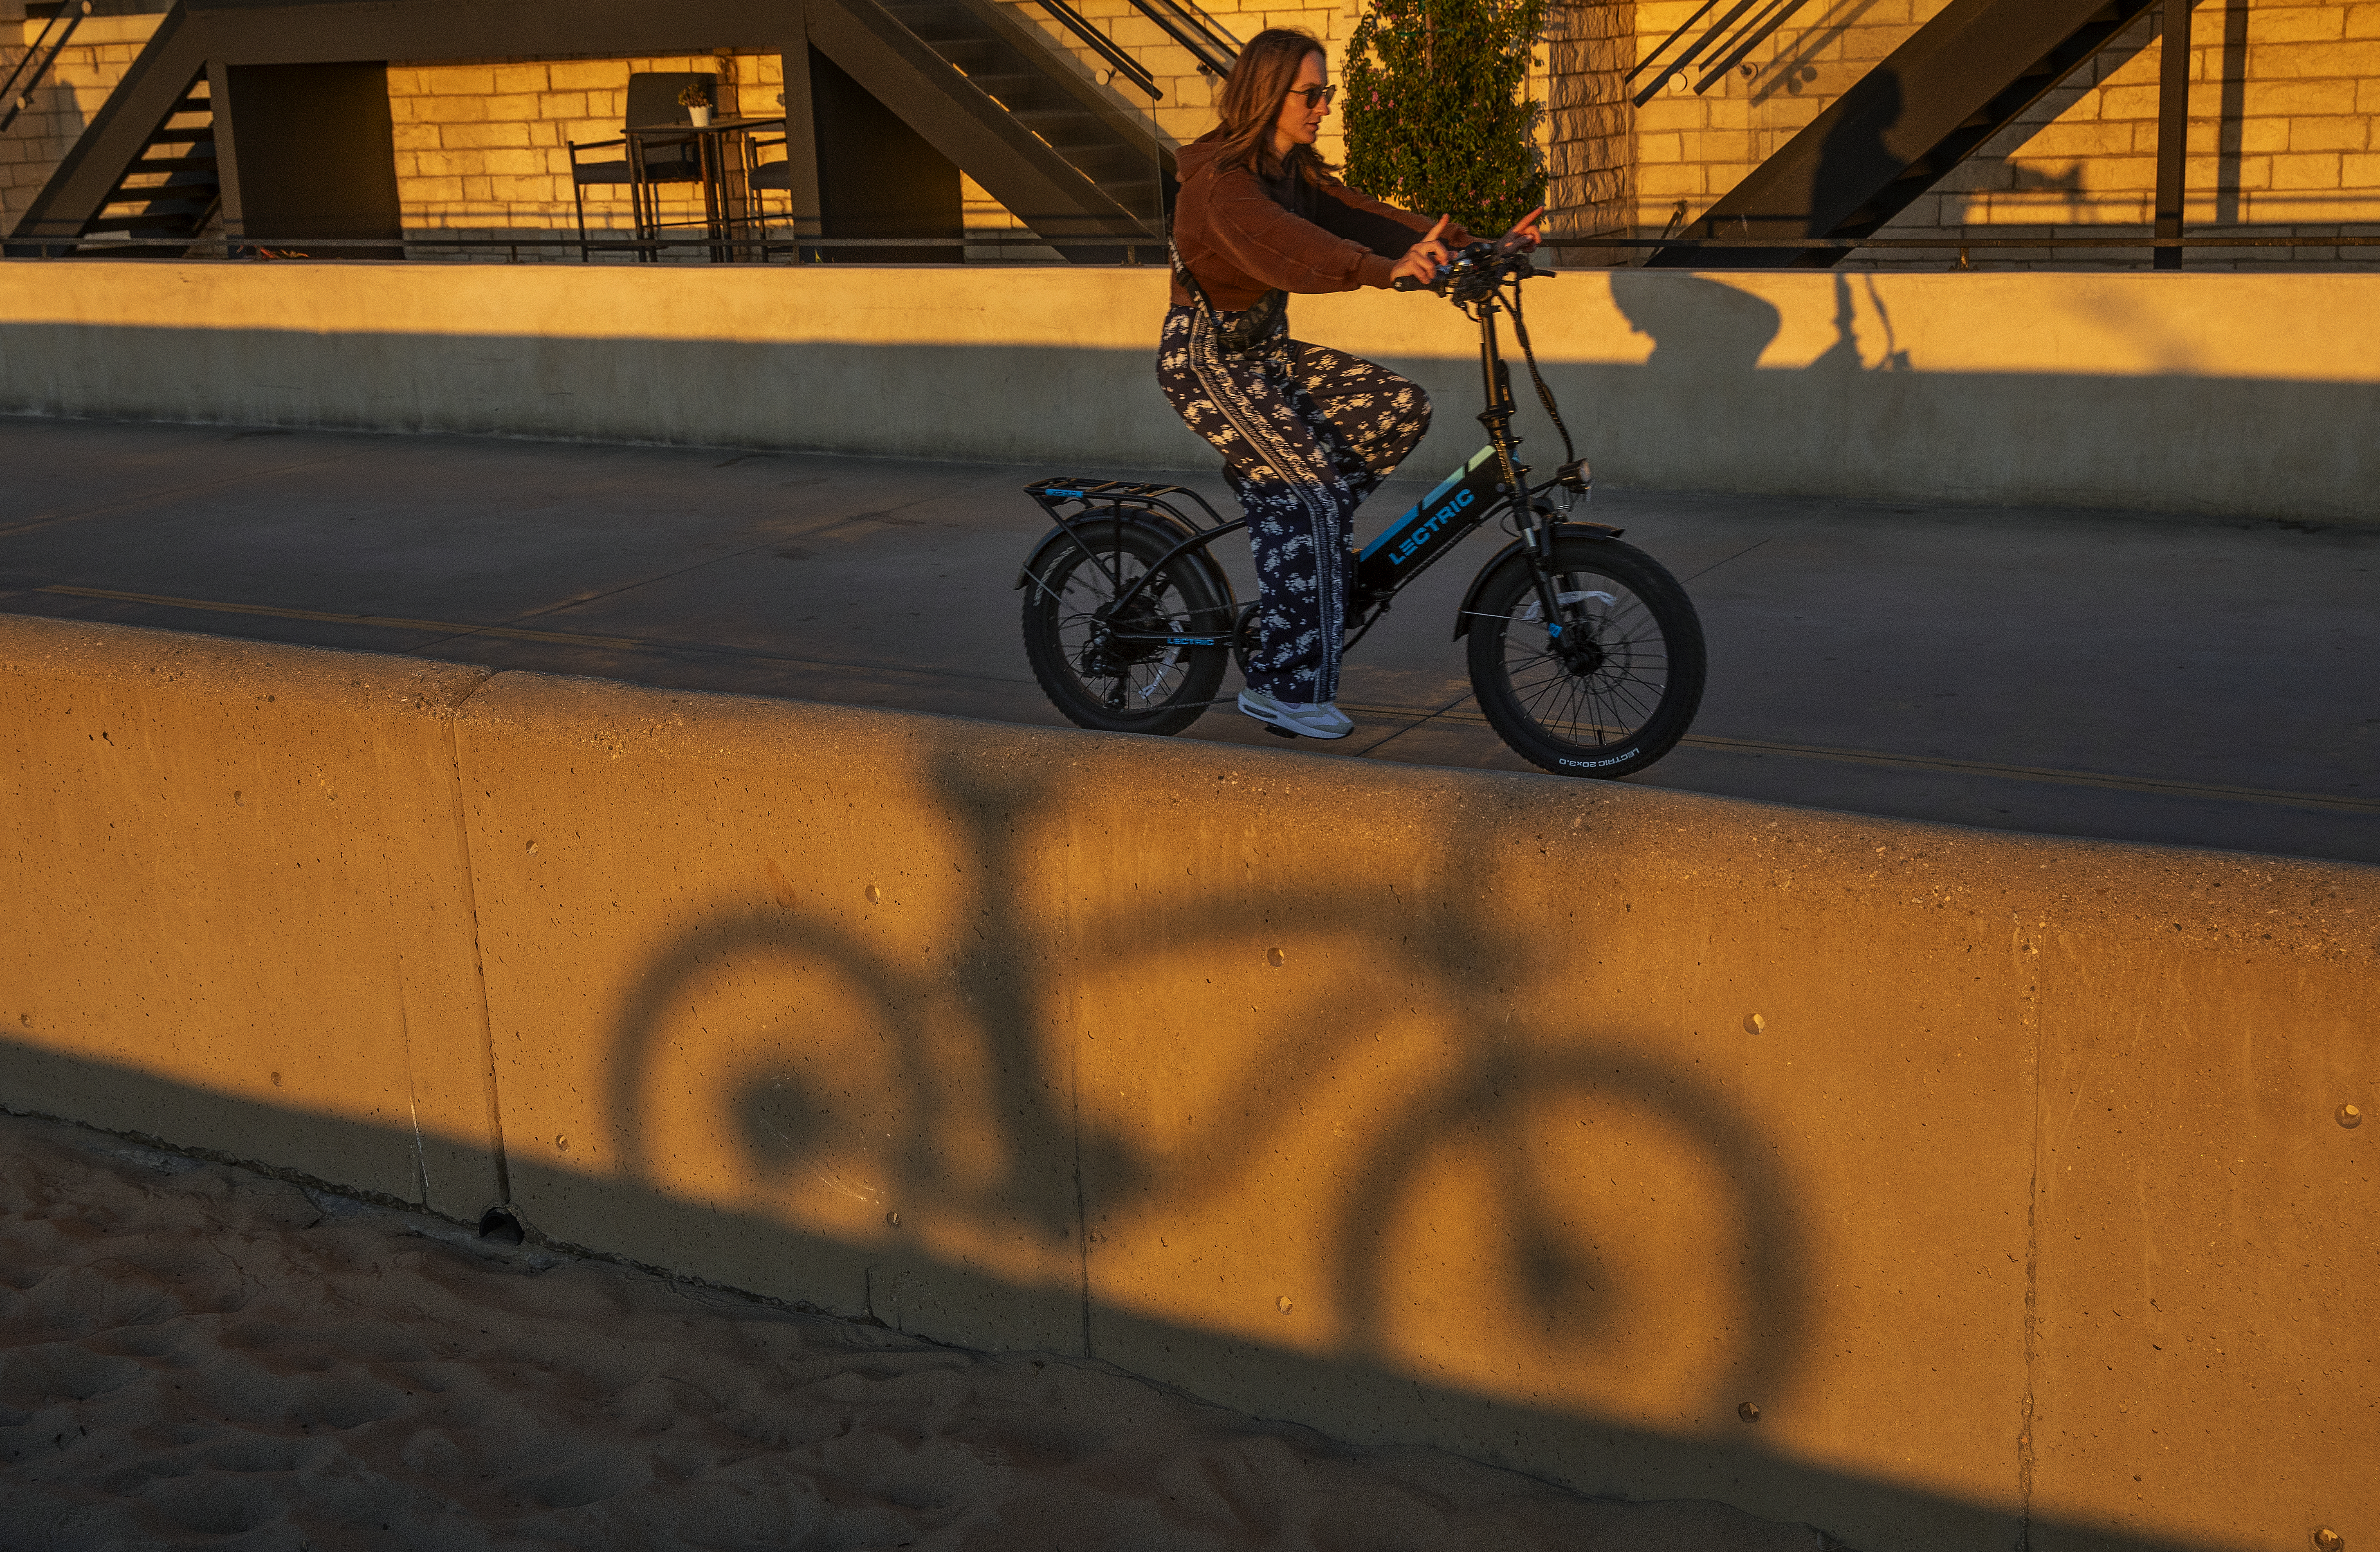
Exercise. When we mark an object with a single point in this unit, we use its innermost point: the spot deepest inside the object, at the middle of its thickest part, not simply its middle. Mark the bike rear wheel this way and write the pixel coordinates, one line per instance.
(1611, 690)
(1107, 663)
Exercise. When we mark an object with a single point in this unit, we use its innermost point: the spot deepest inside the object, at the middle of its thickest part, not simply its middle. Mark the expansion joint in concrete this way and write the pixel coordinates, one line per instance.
(497, 1161)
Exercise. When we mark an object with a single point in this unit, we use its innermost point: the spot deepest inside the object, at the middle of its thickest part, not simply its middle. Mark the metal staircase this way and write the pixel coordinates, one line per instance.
(993, 94)
(1017, 70)
(172, 190)
(976, 79)
(146, 162)
(1958, 81)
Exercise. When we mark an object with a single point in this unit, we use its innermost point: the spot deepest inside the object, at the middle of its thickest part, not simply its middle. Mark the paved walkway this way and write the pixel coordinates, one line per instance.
(2076, 673)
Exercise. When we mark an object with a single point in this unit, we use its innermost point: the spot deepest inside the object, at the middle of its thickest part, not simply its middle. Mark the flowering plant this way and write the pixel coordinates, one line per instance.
(692, 95)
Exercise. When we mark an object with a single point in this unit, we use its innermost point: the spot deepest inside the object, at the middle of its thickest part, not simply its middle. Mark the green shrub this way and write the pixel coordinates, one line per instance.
(1435, 121)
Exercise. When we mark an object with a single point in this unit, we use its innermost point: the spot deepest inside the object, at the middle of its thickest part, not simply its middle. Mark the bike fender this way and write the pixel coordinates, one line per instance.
(1560, 530)
(1177, 529)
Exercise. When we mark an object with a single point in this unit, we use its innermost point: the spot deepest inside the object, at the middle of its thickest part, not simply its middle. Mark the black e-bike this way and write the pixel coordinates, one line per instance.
(1585, 655)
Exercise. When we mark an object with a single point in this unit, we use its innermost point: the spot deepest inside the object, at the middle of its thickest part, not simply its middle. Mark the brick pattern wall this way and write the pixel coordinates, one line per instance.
(1691, 146)
(2282, 104)
(484, 146)
(2283, 96)
(102, 49)
(2283, 99)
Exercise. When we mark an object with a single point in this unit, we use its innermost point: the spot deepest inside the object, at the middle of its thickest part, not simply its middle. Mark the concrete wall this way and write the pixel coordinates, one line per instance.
(2246, 395)
(238, 867)
(1551, 1123)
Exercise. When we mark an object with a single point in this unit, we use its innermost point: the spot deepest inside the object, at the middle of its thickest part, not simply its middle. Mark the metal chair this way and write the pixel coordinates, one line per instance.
(653, 99)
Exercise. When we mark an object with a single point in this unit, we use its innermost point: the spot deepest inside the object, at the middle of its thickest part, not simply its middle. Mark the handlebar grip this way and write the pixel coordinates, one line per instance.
(1406, 283)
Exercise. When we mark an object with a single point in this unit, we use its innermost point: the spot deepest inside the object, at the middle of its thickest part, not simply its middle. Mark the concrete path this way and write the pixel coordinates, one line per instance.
(2078, 674)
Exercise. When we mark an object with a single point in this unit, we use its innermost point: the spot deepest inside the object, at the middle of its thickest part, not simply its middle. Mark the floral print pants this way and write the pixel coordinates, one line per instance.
(1306, 433)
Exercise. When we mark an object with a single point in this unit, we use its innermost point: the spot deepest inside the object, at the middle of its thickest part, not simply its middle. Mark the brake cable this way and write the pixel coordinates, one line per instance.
(1545, 394)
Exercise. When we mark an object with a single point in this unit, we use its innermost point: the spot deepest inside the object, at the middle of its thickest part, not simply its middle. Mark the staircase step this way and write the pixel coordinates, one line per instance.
(191, 164)
(191, 198)
(1031, 85)
(175, 224)
(198, 191)
(182, 136)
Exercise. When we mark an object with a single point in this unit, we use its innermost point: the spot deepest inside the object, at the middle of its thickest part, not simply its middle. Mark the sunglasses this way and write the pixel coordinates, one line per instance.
(1316, 96)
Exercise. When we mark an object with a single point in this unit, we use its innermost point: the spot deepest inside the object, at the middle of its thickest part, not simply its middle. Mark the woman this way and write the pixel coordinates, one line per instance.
(1306, 433)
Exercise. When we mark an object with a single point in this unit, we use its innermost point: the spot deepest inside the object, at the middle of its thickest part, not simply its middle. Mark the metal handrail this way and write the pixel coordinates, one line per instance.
(1574, 240)
(1103, 45)
(18, 98)
(1215, 50)
(243, 247)
(252, 247)
(1728, 51)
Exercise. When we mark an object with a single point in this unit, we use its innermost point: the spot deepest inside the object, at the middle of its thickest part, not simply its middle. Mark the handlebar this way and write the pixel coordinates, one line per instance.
(1475, 271)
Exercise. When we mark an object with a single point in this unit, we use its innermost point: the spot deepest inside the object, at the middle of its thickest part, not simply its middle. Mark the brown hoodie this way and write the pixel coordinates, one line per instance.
(1243, 234)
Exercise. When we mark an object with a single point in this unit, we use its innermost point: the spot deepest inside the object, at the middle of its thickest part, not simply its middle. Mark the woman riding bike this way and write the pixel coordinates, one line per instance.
(1306, 432)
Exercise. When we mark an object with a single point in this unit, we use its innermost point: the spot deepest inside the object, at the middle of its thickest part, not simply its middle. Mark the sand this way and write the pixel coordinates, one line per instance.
(193, 1354)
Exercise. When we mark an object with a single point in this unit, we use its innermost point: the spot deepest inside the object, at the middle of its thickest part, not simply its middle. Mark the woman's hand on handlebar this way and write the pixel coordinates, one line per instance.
(1523, 238)
(1422, 259)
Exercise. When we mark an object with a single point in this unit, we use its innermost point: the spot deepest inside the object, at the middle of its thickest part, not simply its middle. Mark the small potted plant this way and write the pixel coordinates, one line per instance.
(696, 103)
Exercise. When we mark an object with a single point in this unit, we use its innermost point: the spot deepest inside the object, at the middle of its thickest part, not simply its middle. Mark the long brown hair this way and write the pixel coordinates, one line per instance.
(1252, 100)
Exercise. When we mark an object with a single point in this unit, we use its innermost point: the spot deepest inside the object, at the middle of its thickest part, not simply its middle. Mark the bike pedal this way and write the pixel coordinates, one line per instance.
(1279, 731)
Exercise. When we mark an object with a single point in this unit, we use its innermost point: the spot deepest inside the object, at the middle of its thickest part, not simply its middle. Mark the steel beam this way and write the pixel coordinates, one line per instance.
(2173, 129)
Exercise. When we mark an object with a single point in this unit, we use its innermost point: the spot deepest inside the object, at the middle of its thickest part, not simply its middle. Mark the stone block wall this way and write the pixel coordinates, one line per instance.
(1590, 159)
(2282, 104)
(64, 103)
(484, 146)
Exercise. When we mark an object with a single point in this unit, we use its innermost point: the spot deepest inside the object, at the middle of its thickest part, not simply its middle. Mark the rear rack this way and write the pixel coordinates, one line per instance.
(1059, 491)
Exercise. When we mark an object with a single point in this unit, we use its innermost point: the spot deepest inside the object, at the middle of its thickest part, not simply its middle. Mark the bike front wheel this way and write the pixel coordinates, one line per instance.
(1108, 654)
(1607, 687)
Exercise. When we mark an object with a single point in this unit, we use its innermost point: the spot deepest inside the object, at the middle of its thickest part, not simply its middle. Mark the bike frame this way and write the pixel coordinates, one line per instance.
(1494, 483)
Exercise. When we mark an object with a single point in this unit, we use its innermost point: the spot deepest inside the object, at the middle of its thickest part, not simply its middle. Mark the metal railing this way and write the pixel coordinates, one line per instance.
(26, 79)
(1215, 49)
(1962, 243)
(1724, 44)
(1101, 44)
(1128, 250)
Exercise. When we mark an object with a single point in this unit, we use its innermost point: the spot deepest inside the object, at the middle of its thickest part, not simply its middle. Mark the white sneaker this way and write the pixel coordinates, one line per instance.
(1320, 721)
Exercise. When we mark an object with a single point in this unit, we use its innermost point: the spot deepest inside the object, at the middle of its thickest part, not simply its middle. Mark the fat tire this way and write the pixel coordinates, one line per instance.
(1193, 600)
(1660, 623)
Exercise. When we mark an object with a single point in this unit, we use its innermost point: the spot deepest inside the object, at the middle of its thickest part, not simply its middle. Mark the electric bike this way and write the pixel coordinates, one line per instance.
(1585, 655)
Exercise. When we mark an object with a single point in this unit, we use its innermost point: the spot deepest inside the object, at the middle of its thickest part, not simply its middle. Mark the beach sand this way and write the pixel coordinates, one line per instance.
(194, 1355)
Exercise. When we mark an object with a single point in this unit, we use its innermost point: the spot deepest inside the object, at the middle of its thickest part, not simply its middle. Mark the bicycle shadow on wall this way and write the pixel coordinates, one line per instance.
(1168, 1153)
